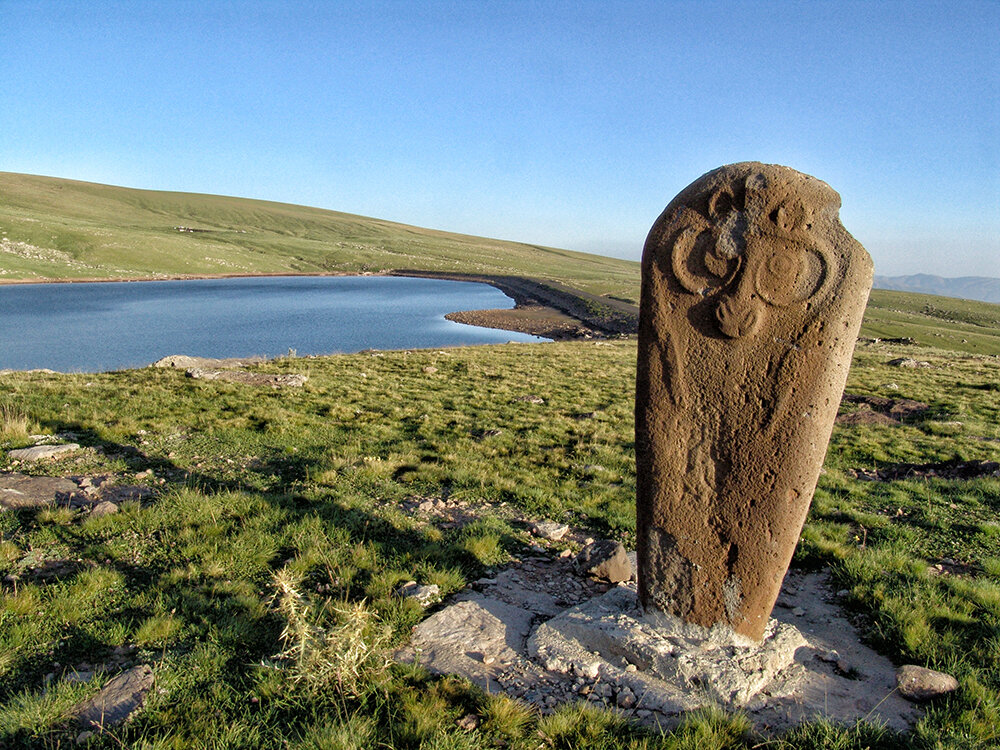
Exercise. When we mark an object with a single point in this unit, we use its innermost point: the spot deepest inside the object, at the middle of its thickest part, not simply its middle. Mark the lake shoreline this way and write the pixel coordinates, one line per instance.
(540, 309)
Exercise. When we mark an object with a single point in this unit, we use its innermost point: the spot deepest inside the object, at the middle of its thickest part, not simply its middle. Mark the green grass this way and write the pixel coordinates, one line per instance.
(260, 582)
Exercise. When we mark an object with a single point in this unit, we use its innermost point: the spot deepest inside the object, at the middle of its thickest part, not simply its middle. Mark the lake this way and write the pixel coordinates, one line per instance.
(94, 327)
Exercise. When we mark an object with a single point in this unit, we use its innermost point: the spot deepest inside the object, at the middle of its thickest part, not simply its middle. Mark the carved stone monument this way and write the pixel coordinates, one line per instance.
(752, 297)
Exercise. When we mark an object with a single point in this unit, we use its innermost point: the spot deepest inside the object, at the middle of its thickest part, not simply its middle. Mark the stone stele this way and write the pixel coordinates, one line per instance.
(752, 297)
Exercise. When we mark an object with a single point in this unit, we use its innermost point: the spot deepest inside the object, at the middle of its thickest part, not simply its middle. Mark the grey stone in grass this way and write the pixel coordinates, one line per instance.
(40, 452)
(550, 530)
(104, 508)
(117, 700)
(920, 684)
(22, 491)
(425, 595)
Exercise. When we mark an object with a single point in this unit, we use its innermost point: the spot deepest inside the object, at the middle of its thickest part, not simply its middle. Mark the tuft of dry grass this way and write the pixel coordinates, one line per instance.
(350, 654)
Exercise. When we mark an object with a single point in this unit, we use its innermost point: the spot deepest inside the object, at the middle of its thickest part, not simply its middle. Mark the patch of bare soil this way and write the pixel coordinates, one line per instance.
(953, 469)
(880, 410)
(534, 319)
(549, 309)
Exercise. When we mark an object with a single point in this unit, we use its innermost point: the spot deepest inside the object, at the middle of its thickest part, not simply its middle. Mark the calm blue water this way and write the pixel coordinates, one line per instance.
(110, 326)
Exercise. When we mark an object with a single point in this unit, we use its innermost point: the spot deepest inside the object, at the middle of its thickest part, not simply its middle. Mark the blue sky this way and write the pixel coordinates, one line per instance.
(569, 124)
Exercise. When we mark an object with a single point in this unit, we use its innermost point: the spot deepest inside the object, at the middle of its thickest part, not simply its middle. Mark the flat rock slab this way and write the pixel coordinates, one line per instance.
(469, 637)
(117, 700)
(292, 380)
(41, 452)
(815, 665)
(21, 491)
(183, 362)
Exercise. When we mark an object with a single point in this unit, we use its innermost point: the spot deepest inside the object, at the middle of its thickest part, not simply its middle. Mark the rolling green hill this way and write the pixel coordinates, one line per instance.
(63, 229)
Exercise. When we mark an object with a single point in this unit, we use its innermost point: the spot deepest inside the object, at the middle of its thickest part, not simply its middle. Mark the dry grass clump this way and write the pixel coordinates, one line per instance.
(349, 654)
(14, 421)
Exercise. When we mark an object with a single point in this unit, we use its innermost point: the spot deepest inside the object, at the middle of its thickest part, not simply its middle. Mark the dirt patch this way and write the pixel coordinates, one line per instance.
(880, 410)
(534, 319)
(549, 309)
(939, 470)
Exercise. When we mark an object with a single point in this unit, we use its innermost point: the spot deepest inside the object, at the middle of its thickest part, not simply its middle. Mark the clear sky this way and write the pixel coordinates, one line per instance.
(569, 124)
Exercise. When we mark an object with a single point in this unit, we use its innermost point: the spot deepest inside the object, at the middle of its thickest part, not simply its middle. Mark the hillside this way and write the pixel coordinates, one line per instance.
(64, 229)
(964, 287)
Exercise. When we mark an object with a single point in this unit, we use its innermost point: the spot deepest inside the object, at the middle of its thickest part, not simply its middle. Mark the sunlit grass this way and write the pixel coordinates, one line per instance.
(315, 484)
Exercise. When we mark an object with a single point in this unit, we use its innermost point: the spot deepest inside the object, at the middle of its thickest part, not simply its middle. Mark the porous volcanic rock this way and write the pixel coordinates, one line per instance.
(752, 298)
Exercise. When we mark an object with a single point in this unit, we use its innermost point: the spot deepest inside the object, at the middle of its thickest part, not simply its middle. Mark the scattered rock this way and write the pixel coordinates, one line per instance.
(430, 370)
(425, 595)
(40, 452)
(605, 559)
(920, 684)
(292, 380)
(117, 700)
(530, 399)
(953, 469)
(103, 508)
(21, 491)
(468, 722)
(880, 410)
(907, 362)
(183, 362)
(550, 530)
(123, 492)
(865, 417)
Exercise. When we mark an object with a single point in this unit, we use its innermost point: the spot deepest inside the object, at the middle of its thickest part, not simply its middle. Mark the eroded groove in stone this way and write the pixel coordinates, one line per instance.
(752, 297)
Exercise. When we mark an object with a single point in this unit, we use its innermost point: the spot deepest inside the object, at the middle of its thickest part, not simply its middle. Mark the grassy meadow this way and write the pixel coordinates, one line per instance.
(259, 581)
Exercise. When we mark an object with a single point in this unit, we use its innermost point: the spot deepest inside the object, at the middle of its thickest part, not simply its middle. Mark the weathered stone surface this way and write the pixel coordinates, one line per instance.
(183, 362)
(752, 297)
(680, 663)
(21, 491)
(605, 559)
(921, 684)
(472, 638)
(551, 530)
(40, 452)
(117, 700)
(425, 595)
(293, 380)
(481, 635)
(104, 508)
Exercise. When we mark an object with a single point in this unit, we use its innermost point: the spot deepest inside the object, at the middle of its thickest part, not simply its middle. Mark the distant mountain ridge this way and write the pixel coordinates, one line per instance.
(980, 288)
